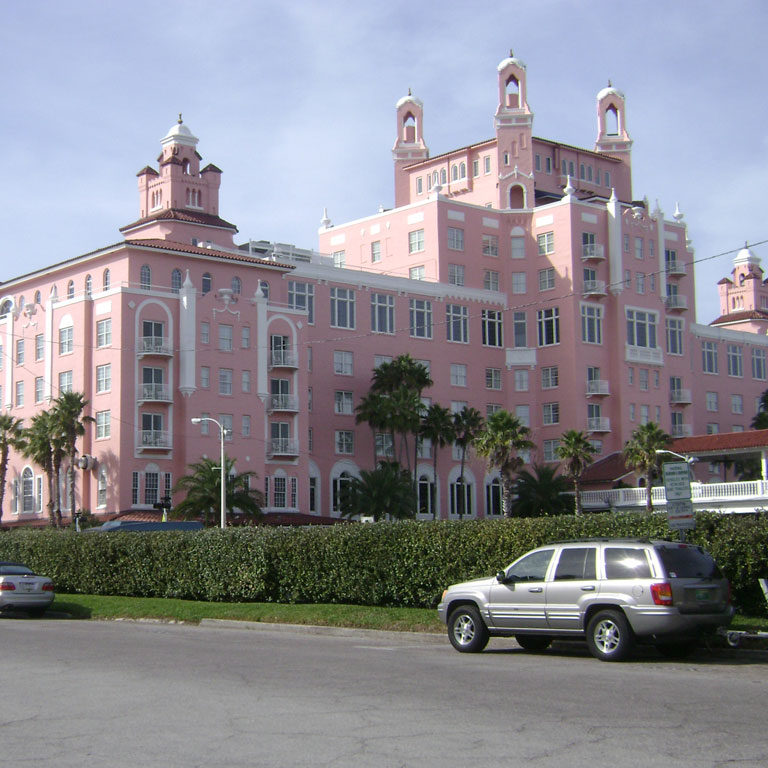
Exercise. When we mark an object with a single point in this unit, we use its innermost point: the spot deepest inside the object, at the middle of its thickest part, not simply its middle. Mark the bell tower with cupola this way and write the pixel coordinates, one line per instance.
(409, 146)
(514, 125)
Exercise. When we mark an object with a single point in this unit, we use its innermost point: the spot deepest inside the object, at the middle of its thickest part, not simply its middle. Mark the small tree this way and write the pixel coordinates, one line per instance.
(540, 492)
(11, 436)
(383, 492)
(576, 452)
(69, 422)
(437, 427)
(467, 423)
(202, 486)
(640, 454)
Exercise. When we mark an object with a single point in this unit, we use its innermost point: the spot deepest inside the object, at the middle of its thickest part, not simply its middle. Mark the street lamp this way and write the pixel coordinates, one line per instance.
(688, 459)
(222, 433)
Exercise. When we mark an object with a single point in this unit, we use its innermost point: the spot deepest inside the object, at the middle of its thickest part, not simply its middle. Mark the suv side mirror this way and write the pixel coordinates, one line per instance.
(501, 577)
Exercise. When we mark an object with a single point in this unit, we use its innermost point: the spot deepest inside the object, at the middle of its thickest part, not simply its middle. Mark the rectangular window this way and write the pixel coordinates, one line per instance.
(758, 364)
(537, 162)
(103, 424)
(592, 323)
(342, 363)
(641, 328)
(492, 328)
(455, 239)
(674, 336)
(205, 425)
(549, 450)
(205, 333)
(342, 308)
(644, 414)
(457, 323)
(735, 360)
(382, 313)
(376, 250)
(135, 488)
(151, 486)
(416, 241)
(548, 325)
(546, 279)
(711, 399)
(205, 377)
(493, 378)
(640, 282)
(420, 319)
(225, 337)
(104, 377)
(550, 377)
(626, 243)
(104, 332)
(39, 346)
(458, 375)
(490, 245)
(302, 296)
(487, 164)
(491, 280)
(419, 185)
(245, 337)
(456, 274)
(642, 379)
(225, 381)
(245, 381)
(517, 246)
(523, 413)
(519, 282)
(339, 259)
(519, 330)
(709, 356)
(475, 167)
(737, 404)
(39, 389)
(416, 273)
(65, 382)
(278, 491)
(342, 402)
(66, 336)
(546, 243)
(345, 442)
(521, 379)
(550, 413)
(19, 393)
(638, 247)
(712, 428)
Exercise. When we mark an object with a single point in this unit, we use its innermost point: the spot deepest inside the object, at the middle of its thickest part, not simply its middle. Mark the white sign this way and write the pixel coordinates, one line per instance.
(677, 480)
(680, 514)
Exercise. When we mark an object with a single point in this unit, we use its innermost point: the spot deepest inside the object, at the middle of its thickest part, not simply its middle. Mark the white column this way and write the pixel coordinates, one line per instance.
(187, 336)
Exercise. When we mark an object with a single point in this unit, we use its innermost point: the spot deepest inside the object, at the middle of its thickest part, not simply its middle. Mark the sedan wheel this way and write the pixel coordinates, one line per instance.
(609, 636)
(466, 630)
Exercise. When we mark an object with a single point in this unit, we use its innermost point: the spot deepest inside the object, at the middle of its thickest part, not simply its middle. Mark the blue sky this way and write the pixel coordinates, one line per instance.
(294, 101)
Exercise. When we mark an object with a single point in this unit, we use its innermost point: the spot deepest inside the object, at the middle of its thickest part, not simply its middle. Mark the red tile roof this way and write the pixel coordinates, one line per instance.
(610, 469)
(179, 214)
(170, 245)
(738, 317)
(722, 443)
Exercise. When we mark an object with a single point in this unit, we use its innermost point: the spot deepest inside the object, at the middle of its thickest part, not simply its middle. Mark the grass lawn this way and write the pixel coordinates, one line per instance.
(360, 616)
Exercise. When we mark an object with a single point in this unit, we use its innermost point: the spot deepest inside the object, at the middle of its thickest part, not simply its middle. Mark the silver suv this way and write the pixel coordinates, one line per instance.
(611, 591)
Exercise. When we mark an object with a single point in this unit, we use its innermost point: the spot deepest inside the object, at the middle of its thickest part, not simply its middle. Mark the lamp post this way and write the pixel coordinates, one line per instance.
(222, 435)
(687, 459)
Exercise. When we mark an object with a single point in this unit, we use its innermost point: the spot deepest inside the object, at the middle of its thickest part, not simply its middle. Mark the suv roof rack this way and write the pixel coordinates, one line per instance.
(611, 539)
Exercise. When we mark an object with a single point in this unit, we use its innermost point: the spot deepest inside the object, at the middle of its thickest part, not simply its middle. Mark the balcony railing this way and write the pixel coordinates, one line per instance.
(680, 396)
(283, 403)
(592, 251)
(155, 392)
(681, 430)
(283, 358)
(594, 288)
(598, 424)
(282, 446)
(521, 356)
(650, 355)
(598, 387)
(154, 438)
(155, 345)
(676, 301)
(675, 268)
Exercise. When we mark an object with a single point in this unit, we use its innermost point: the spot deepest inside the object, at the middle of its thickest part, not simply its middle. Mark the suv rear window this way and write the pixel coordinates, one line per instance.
(688, 563)
(626, 563)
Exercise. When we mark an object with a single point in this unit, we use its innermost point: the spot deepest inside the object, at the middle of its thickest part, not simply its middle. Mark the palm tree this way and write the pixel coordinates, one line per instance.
(384, 491)
(467, 423)
(760, 420)
(576, 452)
(38, 446)
(437, 427)
(540, 492)
(402, 371)
(374, 409)
(203, 491)
(11, 436)
(68, 410)
(640, 454)
(501, 441)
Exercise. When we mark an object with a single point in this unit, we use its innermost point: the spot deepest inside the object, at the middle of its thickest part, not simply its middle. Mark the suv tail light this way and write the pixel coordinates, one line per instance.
(662, 593)
(7, 586)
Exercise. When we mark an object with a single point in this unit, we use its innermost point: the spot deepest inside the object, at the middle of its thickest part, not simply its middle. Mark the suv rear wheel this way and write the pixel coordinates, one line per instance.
(466, 630)
(609, 636)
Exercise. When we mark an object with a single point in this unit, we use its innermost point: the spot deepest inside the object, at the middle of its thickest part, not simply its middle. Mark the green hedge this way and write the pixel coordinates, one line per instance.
(404, 563)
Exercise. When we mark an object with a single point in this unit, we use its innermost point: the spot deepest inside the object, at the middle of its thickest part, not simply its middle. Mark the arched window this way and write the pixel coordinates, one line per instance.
(88, 285)
(516, 196)
(28, 490)
(611, 121)
(435, 177)
(105, 280)
(455, 173)
(207, 283)
(409, 128)
(493, 497)
(6, 307)
(176, 280)
(101, 488)
(461, 498)
(513, 92)
(145, 279)
(443, 176)
(462, 170)
(339, 483)
(37, 297)
(185, 168)
(237, 286)
(71, 289)
(427, 500)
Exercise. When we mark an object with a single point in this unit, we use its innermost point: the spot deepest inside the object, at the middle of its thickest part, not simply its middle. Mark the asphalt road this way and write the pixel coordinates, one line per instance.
(113, 694)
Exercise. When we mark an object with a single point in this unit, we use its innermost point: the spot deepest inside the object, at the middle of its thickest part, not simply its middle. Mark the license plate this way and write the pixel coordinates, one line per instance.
(27, 587)
(703, 595)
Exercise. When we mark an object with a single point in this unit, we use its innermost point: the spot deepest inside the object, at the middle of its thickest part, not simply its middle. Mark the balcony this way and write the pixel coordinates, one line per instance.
(282, 447)
(594, 288)
(598, 424)
(154, 438)
(283, 403)
(592, 252)
(680, 396)
(598, 387)
(518, 356)
(155, 345)
(681, 430)
(156, 393)
(676, 302)
(648, 355)
(675, 268)
(283, 358)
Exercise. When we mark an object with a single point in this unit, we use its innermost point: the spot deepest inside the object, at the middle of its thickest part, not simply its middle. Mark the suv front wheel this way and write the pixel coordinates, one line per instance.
(609, 636)
(466, 630)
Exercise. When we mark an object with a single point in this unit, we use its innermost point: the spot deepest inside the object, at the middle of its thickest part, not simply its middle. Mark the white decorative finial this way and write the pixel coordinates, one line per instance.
(677, 215)
(569, 188)
(613, 197)
(325, 222)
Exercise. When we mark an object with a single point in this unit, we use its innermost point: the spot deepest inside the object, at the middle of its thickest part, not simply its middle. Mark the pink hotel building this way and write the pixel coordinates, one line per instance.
(519, 269)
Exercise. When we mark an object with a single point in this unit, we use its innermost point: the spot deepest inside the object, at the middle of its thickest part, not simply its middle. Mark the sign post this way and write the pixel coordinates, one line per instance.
(677, 487)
